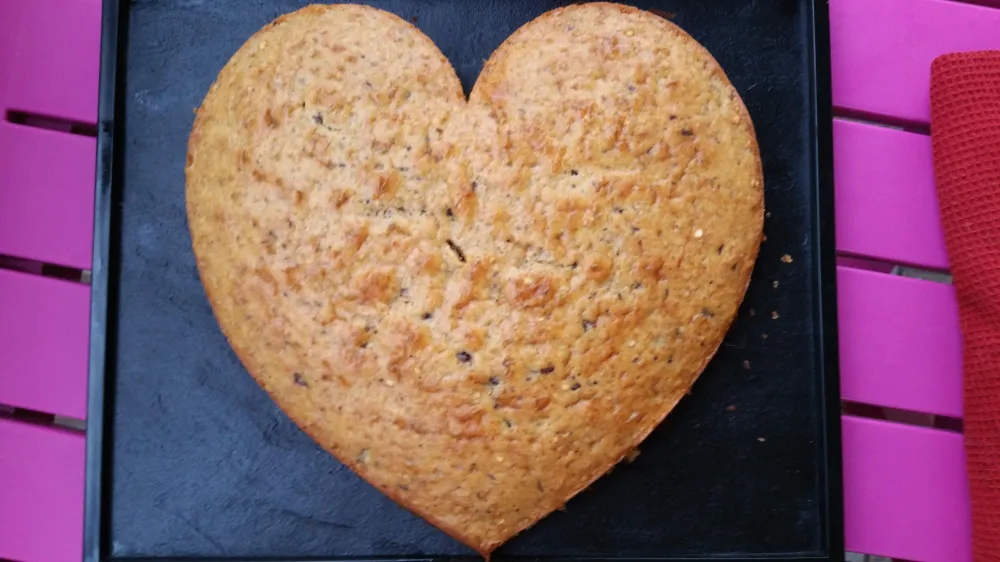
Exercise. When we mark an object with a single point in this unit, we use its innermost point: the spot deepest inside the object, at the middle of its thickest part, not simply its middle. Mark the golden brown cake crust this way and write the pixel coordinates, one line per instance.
(479, 307)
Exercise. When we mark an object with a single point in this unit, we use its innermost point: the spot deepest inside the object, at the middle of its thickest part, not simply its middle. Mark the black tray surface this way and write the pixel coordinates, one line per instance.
(200, 463)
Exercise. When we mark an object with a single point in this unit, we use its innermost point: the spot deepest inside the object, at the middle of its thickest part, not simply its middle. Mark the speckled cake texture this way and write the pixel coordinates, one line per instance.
(479, 306)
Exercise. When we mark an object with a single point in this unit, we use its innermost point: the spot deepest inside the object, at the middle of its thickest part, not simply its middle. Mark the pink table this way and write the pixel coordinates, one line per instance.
(905, 489)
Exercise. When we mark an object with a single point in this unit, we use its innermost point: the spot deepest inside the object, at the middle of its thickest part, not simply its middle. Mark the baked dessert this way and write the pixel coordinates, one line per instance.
(479, 306)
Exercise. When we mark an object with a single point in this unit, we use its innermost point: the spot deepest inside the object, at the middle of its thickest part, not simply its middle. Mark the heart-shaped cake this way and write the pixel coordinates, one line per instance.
(479, 306)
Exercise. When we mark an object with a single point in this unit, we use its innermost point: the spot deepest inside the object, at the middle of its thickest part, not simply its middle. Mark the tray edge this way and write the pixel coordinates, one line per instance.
(114, 27)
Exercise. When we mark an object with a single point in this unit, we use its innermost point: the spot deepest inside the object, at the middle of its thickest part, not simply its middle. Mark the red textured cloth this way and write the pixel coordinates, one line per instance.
(965, 132)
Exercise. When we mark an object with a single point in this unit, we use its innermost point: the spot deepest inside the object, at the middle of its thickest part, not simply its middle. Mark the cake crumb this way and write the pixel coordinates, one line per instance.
(774, 284)
(774, 315)
(631, 455)
(786, 258)
(761, 439)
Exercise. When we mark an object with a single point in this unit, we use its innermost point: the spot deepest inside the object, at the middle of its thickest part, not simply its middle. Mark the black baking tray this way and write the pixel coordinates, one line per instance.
(188, 459)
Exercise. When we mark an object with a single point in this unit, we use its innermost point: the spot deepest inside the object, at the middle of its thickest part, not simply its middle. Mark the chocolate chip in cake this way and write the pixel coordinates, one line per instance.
(458, 251)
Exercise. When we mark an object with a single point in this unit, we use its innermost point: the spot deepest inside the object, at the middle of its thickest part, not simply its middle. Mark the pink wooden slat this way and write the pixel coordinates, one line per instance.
(41, 491)
(886, 199)
(882, 50)
(44, 344)
(905, 492)
(900, 344)
(46, 195)
(51, 57)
